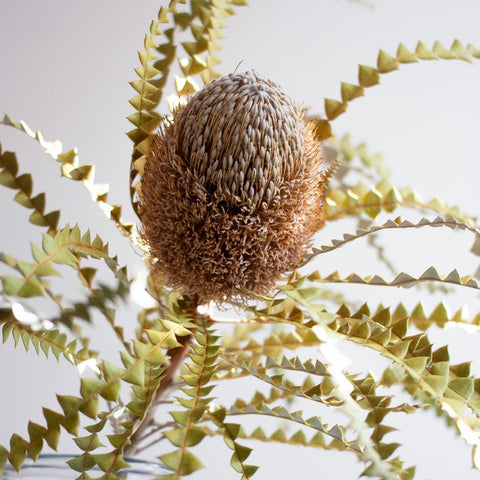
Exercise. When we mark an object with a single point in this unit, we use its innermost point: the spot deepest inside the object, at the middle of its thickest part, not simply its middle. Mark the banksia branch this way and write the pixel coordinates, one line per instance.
(232, 190)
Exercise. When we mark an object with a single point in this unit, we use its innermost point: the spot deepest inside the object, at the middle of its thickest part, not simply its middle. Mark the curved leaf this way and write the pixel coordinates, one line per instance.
(403, 279)
(71, 169)
(383, 197)
(369, 76)
(24, 184)
(395, 224)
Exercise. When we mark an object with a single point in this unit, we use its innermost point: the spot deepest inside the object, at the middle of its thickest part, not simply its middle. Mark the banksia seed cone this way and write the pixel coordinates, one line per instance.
(232, 190)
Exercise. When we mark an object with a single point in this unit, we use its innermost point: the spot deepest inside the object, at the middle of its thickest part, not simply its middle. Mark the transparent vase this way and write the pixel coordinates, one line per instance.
(54, 467)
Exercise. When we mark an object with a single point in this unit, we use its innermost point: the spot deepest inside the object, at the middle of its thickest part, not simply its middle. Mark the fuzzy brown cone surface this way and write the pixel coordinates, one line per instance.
(232, 190)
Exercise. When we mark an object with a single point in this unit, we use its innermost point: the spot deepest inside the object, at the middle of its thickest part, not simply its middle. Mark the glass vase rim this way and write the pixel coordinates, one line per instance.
(45, 460)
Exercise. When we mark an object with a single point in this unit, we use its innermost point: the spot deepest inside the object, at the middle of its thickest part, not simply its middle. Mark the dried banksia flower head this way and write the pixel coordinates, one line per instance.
(232, 190)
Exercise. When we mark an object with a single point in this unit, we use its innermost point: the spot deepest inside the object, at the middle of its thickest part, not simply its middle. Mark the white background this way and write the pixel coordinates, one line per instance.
(65, 68)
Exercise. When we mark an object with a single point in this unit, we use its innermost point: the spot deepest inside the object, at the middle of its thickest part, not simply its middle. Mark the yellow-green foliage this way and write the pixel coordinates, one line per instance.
(306, 313)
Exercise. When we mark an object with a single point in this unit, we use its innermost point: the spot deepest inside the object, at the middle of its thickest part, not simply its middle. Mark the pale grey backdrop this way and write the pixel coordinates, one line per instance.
(65, 68)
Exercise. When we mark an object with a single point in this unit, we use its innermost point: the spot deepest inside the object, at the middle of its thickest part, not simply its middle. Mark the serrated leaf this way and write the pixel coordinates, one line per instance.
(37, 434)
(461, 369)
(152, 354)
(386, 63)
(29, 287)
(442, 52)
(183, 461)
(38, 218)
(18, 451)
(463, 387)
(186, 437)
(440, 313)
(110, 462)
(417, 364)
(367, 76)
(165, 339)
(322, 129)
(399, 349)
(11, 284)
(54, 420)
(380, 431)
(88, 443)
(350, 92)
(334, 108)
(90, 407)
(82, 463)
(404, 55)
(240, 455)
(424, 53)
(181, 417)
(438, 382)
(134, 370)
(461, 52)
(372, 200)
(83, 172)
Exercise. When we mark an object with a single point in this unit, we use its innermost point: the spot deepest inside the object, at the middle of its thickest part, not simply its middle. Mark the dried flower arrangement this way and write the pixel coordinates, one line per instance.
(230, 189)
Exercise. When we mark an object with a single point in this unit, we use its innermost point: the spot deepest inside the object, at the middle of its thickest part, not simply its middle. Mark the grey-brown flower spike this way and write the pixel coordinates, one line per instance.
(232, 190)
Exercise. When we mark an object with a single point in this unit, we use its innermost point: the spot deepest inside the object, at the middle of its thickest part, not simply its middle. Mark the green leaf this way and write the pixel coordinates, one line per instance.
(83, 462)
(386, 63)
(90, 407)
(90, 386)
(350, 92)
(438, 382)
(37, 433)
(182, 461)
(152, 355)
(54, 420)
(417, 364)
(463, 387)
(442, 52)
(117, 441)
(386, 449)
(404, 55)
(188, 437)
(440, 313)
(322, 129)
(88, 443)
(83, 172)
(372, 200)
(368, 76)
(461, 369)
(391, 200)
(142, 87)
(69, 404)
(424, 53)
(380, 431)
(110, 462)
(240, 455)
(400, 328)
(134, 369)
(181, 417)
(3, 458)
(22, 287)
(11, 285)
(334, 108)
(165, 339)
(18, 451)
(461, 52)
